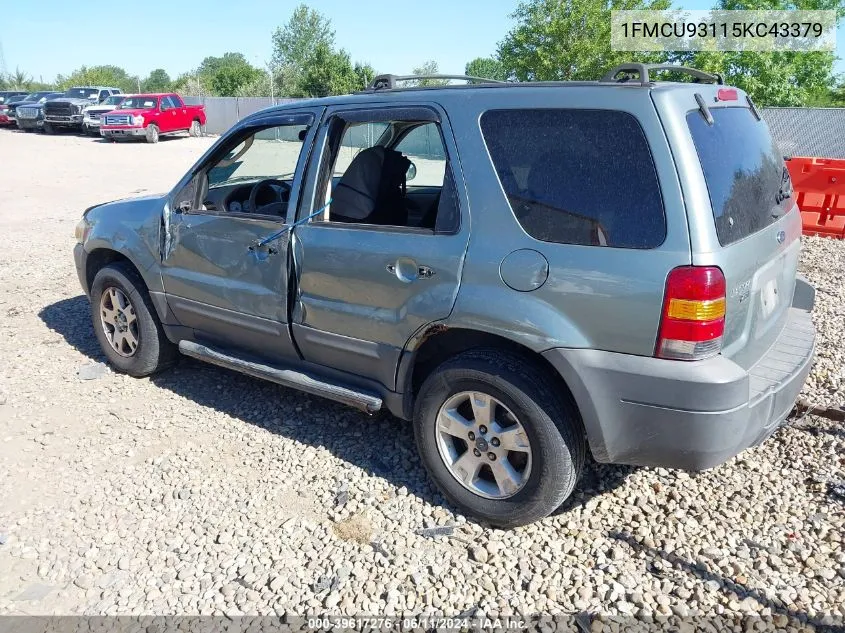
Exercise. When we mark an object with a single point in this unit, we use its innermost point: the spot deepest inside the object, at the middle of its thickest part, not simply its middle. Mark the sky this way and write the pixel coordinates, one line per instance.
(394, 36)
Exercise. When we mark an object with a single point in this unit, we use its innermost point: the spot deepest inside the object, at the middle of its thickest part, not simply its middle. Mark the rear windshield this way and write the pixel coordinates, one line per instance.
(743, 168)
(577, 176)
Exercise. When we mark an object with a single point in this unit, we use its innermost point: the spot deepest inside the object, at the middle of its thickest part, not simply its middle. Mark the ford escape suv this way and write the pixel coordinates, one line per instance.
(524, 271)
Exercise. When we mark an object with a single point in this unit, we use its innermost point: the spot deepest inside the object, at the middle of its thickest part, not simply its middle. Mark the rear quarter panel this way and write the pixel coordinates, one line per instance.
(595, 297)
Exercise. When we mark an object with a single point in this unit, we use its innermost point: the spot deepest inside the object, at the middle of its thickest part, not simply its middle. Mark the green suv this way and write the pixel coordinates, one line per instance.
(524, 271)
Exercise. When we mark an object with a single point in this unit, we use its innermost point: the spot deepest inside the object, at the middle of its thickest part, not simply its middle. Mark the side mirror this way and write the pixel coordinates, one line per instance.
(412, 172)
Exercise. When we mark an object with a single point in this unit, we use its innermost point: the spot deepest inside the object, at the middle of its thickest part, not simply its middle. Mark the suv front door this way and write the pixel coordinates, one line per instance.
(363, 290)
(218, 281)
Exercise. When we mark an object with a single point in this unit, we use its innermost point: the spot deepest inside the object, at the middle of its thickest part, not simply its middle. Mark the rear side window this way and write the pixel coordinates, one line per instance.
(577, 176)
(743, 169)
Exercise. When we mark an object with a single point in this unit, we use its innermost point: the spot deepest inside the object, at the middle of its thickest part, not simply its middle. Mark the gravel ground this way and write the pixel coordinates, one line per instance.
(204, 491)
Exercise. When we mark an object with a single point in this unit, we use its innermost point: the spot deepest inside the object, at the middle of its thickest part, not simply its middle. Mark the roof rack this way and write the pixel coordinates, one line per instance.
(642, 71)
(388, 82)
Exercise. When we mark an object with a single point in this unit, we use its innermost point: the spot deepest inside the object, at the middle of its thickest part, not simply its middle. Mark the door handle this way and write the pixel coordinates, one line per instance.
(407, 270)
(259, 245)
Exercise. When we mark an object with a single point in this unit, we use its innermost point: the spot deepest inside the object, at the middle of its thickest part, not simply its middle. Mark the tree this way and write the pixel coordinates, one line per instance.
(226, 75)
(331, 73)
(112, 76)
(157, 81)
(556, 40)
(783, 78)
(296, 44)
(486, 67)
(19, 80)
(428, 68)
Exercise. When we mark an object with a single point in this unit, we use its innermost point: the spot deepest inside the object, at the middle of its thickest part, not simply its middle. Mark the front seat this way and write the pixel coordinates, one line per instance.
(372, 190)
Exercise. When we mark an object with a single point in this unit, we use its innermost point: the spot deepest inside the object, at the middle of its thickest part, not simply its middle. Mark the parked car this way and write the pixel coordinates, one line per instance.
(92, 115)
(34, 98)
(66, 112)
(30, 116)
(151, 116)
(626, 282)
(5, 97)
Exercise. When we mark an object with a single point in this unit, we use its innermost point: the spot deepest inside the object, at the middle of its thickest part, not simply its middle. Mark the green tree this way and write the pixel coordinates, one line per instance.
(428, 68)
(331, 73)
(783, 78)
(112, 76)
(157, 81)
(486, 67)
(555, 40)
(225, 76)
(296, 45)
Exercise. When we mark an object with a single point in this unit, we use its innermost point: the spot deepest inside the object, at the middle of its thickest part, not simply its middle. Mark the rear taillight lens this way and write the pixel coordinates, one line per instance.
(693, 319)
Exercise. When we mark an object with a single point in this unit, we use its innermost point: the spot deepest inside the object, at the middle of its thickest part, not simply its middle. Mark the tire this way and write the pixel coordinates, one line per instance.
(152, 133)
(195, 129)
(48, 128)
(549, 420)
(153, 351)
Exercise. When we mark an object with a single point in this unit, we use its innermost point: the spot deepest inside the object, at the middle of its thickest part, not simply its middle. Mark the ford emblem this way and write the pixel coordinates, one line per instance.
(781, 236)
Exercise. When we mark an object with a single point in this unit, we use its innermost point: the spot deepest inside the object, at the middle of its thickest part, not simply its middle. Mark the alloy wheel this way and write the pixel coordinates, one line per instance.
(483, 445)
(120, 324)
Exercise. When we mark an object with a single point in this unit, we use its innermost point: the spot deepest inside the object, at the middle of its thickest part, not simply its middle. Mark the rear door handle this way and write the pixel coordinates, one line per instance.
(407, 270)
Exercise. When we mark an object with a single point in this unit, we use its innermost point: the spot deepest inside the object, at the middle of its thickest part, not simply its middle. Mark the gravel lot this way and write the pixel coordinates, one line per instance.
(204, 491)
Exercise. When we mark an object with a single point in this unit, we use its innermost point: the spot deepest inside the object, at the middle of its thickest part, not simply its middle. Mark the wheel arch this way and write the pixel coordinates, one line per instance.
(101, 256)
(440, 342)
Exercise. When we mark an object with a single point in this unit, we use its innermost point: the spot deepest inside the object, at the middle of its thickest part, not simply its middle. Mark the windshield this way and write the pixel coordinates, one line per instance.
(135, 103)
(82, 93)
(7, 98)
(744, 171)
(113, 100)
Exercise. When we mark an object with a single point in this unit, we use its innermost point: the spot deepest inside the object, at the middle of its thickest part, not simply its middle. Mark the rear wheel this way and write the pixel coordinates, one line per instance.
(498, 438)
(196, 129)
(152, 133)
(126, 323)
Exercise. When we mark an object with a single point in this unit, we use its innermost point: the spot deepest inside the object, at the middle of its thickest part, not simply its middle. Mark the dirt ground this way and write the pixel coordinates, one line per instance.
(204, 491)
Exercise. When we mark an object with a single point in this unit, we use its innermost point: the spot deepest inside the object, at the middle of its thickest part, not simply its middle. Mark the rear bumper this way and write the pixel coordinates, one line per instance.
(673, 414)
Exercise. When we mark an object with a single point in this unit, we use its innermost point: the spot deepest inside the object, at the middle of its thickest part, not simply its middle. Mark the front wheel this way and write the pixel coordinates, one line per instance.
(49, 129)
(498, 438)
(126, 323)
(152, 133)
(195, 129)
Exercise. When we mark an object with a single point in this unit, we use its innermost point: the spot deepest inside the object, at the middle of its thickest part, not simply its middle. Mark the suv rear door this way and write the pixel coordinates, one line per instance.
(741, 215)
(362, 289)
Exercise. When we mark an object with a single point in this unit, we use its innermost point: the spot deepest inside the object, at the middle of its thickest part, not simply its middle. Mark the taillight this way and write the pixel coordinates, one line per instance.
(693, 319)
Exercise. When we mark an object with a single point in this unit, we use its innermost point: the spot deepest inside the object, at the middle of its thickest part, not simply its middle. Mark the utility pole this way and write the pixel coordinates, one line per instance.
(2, 61)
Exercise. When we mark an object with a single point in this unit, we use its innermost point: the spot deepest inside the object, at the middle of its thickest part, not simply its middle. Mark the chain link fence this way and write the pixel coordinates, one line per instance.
(816, 132)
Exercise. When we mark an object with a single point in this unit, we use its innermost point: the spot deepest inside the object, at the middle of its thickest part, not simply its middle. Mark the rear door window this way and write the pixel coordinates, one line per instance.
(577, 176)
(744, 171)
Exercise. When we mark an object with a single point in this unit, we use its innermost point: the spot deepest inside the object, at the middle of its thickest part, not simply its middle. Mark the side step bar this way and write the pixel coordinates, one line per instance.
(366, 402)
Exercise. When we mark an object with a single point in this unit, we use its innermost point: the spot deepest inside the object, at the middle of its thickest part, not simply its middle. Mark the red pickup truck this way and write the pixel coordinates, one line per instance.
(151, 116)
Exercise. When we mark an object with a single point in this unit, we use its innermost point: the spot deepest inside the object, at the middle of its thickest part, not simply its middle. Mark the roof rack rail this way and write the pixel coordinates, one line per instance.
(388, 82)
(642, 71)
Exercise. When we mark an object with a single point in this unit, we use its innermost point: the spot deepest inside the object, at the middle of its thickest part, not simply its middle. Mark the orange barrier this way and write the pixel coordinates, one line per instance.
(819, 186)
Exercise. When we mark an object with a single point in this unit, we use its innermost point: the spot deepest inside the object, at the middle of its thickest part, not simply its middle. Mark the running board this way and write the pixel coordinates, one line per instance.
(366, 402)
